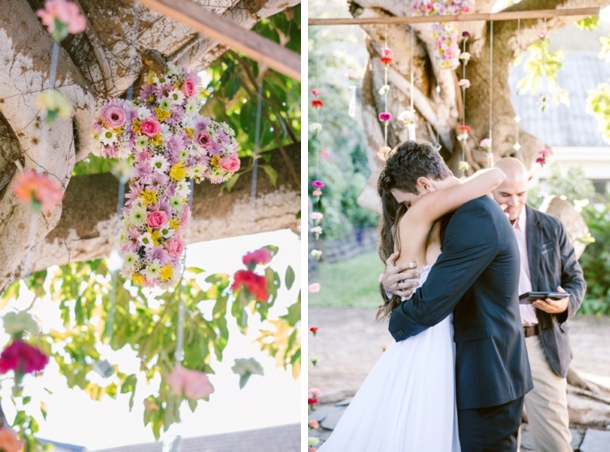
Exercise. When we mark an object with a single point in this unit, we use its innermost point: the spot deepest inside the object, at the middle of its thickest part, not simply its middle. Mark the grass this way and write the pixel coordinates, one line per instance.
(351, 283)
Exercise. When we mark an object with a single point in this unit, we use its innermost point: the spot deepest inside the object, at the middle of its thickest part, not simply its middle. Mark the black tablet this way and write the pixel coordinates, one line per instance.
(528, 297)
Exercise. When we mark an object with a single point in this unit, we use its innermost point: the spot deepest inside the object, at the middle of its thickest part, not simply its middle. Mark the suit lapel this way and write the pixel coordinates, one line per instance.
(533, 238)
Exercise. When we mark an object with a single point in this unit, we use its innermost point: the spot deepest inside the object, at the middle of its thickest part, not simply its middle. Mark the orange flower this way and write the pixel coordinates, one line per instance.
(38, 189)
(9, 441)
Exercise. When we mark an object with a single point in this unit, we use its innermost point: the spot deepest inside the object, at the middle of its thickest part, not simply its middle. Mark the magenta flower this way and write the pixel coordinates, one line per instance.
(325, 154)
(22, 358)
(316, 92)
(261, 256)
(317, 184)
(385, 116)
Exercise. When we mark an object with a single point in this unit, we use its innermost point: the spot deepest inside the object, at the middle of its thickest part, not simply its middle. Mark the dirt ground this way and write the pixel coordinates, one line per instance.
(349, 343)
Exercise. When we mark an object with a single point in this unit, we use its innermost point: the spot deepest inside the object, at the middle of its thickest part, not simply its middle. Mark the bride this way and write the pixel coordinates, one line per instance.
(407, 402)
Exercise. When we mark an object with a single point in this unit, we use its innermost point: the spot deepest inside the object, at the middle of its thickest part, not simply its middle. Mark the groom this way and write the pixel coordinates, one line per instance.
(475, 277)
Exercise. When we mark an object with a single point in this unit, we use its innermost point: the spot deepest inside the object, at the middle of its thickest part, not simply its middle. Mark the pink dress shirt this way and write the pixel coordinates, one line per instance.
(528, 312)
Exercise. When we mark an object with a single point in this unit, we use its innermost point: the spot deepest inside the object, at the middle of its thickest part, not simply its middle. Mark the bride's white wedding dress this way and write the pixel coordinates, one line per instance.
(407, 402)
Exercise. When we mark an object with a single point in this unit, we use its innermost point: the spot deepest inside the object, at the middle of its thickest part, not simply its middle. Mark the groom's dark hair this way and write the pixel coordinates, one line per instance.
(407, 163)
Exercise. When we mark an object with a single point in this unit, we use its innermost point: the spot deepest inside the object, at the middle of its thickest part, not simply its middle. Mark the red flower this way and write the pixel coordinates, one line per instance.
(387, 60)
(312, 401)
(255, 284)
(22, 358)
(465, 34)
(314, 329)
(261, 256)
(317, 103)
(466, 129)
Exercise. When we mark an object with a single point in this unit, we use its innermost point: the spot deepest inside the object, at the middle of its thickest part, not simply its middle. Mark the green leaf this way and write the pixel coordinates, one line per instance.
(271, 173)
(290, 277)
(232, 181)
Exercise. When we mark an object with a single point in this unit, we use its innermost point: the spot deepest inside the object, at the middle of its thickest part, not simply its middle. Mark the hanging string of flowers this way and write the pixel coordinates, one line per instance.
(169, 143)
(444, 33)
(464, 83)
(387, 58)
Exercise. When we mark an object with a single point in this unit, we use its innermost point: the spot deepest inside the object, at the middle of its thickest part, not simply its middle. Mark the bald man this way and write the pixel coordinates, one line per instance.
(548, 264)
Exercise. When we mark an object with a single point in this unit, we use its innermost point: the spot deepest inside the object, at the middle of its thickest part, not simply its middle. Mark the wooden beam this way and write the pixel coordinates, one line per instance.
(230, 34)
(512, 15)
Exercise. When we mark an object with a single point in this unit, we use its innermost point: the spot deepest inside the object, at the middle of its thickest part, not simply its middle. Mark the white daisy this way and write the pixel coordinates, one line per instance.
(152, 270)
(176, 96)
(146, 240)
(183, 189)
(137, 216)
(192, 107)
(143, 112)
(108, 137)
(142, 143)
(159, 164)
(131, 259)
(167, 232)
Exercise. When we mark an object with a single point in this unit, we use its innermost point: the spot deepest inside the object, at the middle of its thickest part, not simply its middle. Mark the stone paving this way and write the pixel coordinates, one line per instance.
(349, 342)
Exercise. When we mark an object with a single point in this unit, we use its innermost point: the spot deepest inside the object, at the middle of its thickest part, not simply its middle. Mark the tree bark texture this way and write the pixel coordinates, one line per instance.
(103, 61)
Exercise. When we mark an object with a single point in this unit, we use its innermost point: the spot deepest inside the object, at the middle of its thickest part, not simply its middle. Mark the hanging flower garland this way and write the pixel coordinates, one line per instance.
(169, 143)
(464, 83)
(387, 58)
(445, 33)
(542, 155)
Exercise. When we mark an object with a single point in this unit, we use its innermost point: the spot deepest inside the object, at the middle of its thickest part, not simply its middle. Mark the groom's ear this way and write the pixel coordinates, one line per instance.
(423, 184)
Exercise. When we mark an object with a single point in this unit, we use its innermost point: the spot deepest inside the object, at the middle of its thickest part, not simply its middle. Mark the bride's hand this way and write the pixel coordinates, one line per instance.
(400, 279)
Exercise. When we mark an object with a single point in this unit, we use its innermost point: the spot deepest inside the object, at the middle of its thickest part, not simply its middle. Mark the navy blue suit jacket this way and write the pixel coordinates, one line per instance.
(476, 277)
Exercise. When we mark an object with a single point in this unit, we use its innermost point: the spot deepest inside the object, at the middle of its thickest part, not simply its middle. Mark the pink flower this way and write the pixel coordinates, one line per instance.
(9, 441)
(384, 152)
(189, 86)
(231, 163)
(156, 219)
(317, 184)
(313, 424)
(65, 12)
(314, 288)
(315, 392)
(317, 192)
(543, 152)
(325, 154)
(316, 216)
(485, 143)
(385, 116)
(113, 116)
(175, 246)
(464, 83)
(204, 139)
(150, 127)
(38, 189)
(316, 92)
(261, 256)
(22, 358)
(191, 384)
(186, 215)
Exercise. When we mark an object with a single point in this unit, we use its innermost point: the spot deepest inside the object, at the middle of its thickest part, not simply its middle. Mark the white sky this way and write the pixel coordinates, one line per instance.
(265, 401)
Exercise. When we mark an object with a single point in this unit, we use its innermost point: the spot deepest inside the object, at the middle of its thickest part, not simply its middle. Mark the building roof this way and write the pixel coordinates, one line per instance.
(285, 438)
(562, 125)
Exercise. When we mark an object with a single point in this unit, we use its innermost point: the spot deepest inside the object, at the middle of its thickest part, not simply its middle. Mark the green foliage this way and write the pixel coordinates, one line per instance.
(588, 23)
(233, 89)
(543, 64)
(595, 261)
(598, 104)
(98, 307)
(345, 173)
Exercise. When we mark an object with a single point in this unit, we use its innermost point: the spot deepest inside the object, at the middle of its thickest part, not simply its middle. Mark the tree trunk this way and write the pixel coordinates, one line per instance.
(101, 62)
(439, 113)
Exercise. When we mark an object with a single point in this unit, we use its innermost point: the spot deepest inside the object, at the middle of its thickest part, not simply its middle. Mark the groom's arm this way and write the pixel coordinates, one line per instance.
(469, 245)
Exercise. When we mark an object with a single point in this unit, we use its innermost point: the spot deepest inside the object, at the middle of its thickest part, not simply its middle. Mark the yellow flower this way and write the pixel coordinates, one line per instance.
(138, 279)
(150, 78)
(167, 272)
(135, 125)
(162, 114)
(54, 104)
(156, 235)
(214, 161)
(151, 99)
(189, 132)
(174, 223)
(149, 196)
(178, 172)
(157, 140)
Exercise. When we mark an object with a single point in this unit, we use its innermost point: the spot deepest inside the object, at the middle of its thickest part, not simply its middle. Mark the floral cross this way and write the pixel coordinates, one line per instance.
(168, 142)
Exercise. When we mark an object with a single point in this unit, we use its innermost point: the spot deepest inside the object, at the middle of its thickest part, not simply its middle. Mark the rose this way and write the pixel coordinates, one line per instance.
(204, 139)
(150, 127)
(231, 163)
(314, 330)
(114, 116)
(314, 287)
(156, 219)
(188, 88)
(174, 246)
(191, 384)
